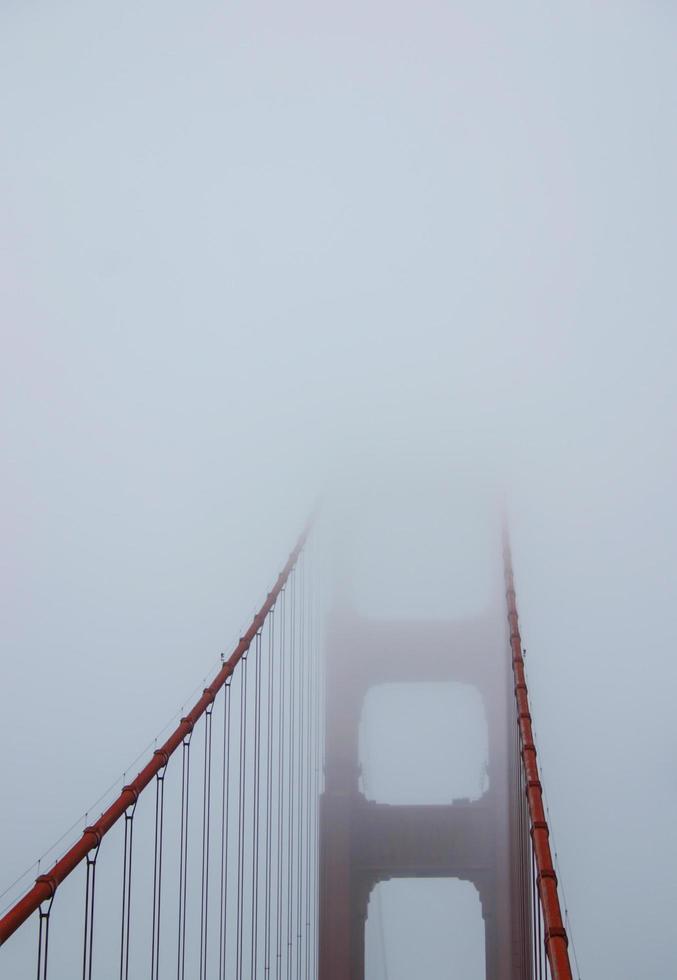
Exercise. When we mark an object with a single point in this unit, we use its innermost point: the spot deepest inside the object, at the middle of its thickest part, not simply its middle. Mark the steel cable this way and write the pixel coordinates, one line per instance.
(225, 808)
(269, 795)
(206, 813)
(157, 874)
(292, 769)
(125, 918)
(183, 858)
(43, 939)
(88, 944)
(241, 819)
(281, 789)
(309, 767)
(256, 809)
(301, 783)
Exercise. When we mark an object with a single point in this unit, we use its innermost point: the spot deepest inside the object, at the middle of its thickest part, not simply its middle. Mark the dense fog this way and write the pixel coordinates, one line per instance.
(256, 254)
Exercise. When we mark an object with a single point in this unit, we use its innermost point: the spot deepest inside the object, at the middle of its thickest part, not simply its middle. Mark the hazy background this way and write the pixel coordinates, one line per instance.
(251, 250)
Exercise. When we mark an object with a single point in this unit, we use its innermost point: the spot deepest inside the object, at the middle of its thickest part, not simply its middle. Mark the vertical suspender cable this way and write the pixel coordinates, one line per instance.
(157, 870)
(526, 850)
(317, 762)
(534, 913)
(309, 763)
(281, 782)
(320, 737)
(43, 933)
(269, 794)
(312, 801)
(88, 944)
(225, 807)
(256, 810)
(540, 923)
(183, 859)
(206, 814)
(522, 855)
(241, 819)
(301, 774)
(292, 775)
(125, 918)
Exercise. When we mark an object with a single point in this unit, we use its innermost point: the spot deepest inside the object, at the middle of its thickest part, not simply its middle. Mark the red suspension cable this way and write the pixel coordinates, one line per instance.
(46, 885)
(555, 937)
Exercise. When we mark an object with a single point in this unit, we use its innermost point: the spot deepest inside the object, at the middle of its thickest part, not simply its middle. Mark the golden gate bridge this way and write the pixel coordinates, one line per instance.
(244, 846)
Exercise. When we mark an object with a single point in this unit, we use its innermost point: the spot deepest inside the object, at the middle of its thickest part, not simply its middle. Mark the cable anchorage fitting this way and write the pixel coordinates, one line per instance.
(556, 932)
(50, 881)
(96, 834)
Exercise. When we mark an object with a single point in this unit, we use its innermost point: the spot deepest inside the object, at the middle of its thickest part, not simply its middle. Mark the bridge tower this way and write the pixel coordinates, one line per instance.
(363, 842)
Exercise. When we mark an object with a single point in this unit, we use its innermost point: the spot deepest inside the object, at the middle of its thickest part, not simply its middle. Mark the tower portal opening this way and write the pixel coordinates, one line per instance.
(423, 743)
(428, 928)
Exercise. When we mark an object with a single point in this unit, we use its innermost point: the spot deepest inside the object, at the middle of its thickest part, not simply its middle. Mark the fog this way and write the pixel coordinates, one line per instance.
(257, 253)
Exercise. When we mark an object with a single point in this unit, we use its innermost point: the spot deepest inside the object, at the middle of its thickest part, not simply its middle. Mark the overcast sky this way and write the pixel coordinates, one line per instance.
(250, 250)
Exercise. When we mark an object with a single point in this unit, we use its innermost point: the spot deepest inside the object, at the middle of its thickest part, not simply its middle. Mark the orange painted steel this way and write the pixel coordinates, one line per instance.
(556, 942)
(46, 885)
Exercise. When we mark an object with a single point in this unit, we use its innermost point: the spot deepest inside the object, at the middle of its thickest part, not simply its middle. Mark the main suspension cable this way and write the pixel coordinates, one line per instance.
(554, 932)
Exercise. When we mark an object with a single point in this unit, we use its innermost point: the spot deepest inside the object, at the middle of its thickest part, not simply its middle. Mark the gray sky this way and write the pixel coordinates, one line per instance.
(249, 249)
